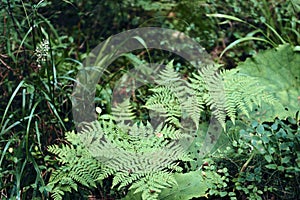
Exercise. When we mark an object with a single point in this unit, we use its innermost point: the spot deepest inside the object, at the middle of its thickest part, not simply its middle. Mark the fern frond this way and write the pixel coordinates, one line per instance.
(141, 154)
(78, 167)
(194, 106)
(171, 80)
(242, 93)
(57, 194)
(166, 104)
(102, 149)
(123, 112)
(151, 185)
(216, 95)
(169, 95)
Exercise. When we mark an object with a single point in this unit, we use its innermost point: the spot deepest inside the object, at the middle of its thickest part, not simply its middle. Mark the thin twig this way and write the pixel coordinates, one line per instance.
(6, 65)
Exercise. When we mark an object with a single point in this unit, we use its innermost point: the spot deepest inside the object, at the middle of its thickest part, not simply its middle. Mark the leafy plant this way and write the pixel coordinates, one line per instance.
(42, 44)
(78, 166)
(278, 69)
(34, 84)
(190, 185)
(142, 157)
(226, 93)
(263, 159)
(253, 26)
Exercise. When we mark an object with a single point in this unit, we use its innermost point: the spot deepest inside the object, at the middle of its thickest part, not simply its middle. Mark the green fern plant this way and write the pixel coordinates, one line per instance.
(123, 112)
(141, 157)
(168, 95)
(78, 166)
(144, 157)
(215, 97)
(225, 93)
(243, 93)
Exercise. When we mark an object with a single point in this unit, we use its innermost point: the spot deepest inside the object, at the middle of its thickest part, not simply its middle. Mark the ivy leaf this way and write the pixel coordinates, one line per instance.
(279, 70)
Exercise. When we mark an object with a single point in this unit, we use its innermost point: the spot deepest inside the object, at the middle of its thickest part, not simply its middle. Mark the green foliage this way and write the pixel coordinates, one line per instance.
(78, 167)
(226, 94)
(207, 140)
(42, 44)
(149, 5)
(215, 97)
(93, 21)
(278, 143)
(189, 17)
(35, 80)
(123, 113)
(190, 185)
(244, 92)
(168, 95)
(142, 158)
(263, 160)
(278, 70)
(253, 25)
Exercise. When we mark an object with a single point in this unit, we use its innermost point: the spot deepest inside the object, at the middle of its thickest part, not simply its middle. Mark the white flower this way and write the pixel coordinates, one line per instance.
(42, 51)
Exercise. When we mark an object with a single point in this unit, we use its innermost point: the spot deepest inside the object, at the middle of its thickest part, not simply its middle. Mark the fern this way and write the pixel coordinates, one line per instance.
(166, 104)
(140, 155)
(170, 94)
(151, 185)
(78, 167)
(226, 93)
(194, 104)
(123, 112)
(242, 92)
(177, 98)
(279, 70)
(144, 157)
(143, 154)
(215, 97)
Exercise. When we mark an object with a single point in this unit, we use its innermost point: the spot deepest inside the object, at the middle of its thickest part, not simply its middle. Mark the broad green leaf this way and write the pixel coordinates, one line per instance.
(190, 185)
(297, 48)
(279, 70)
(260, 129)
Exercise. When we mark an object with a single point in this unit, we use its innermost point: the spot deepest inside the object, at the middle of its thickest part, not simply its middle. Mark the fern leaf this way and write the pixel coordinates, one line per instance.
(139, 155)
(123, 112)
(242, 93)
(78, 166)
(216, 97)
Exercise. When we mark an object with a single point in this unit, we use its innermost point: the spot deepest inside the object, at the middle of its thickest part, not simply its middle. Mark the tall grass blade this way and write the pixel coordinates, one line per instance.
(4, 151)
(218, 15)
(244, 40)
(11, 100)
(276, 33)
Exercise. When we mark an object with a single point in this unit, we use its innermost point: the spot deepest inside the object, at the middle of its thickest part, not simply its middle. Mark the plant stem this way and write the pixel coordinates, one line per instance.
(245, 165)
